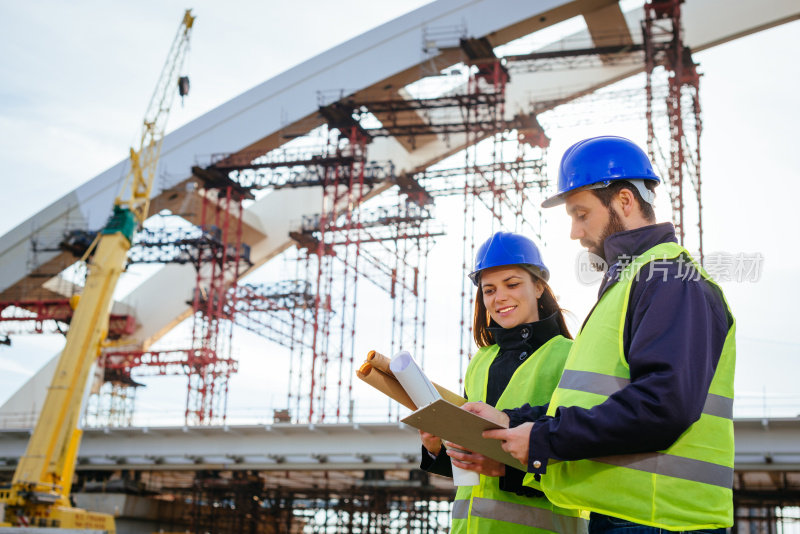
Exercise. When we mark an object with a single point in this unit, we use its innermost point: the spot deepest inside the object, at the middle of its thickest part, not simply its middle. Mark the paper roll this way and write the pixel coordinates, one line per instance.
(388, 385)
(382, 363)
(464, 477)
(413, 380)
(379, 361)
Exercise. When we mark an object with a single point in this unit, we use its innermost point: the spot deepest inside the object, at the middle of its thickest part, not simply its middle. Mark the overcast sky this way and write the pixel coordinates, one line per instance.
(77, 76)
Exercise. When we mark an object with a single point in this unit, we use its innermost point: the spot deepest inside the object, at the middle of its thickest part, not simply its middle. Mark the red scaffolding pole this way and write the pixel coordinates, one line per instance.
(664, 47)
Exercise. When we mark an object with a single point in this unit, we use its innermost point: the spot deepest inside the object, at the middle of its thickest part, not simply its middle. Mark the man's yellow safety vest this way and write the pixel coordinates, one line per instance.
(688, 486)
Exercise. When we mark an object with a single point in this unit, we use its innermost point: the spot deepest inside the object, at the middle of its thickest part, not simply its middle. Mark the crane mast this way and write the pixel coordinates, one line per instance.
(40, 489)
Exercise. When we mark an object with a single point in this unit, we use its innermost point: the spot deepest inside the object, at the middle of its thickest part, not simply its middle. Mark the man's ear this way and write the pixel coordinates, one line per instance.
(626, 202)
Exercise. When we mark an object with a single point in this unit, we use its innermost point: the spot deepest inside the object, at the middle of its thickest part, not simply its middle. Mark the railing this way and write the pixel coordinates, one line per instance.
(749, 406)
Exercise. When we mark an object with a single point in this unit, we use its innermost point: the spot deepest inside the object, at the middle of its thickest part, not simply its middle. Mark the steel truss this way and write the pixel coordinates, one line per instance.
(292, 168)
(664, 47)
(369, 504)
(52, 316)
(315, 315)
(576, 58)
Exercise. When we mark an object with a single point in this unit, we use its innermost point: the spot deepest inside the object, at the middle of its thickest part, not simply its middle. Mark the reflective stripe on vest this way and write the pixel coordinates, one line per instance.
(607, 385)
(673, 466)
(460, 509)
(685, 487)
(533, 382)
(521, 514)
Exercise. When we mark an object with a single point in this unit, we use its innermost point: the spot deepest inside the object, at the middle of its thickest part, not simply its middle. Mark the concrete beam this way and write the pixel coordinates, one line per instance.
(761, 444)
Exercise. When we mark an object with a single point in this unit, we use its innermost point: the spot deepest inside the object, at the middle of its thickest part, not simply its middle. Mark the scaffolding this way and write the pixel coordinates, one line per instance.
(671, 100)
(278, 502)
(219, 257)
(52, 316)
(338, 247)
(678, 157)
(366, 503)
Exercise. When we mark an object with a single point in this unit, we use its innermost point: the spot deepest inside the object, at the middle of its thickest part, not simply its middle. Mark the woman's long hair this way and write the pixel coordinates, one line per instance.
(547, 306)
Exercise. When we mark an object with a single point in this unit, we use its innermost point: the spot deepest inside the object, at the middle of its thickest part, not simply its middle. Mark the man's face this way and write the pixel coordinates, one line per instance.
(592, 222)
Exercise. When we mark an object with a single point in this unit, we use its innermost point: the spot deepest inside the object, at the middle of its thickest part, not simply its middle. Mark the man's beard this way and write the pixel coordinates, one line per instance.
(613, 226)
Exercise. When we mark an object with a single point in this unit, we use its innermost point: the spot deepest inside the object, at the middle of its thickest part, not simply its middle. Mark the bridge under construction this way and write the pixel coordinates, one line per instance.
(309, 196)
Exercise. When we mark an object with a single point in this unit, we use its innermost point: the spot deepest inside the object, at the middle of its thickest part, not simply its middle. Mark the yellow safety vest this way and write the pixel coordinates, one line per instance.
(486, 508)
(688, 486)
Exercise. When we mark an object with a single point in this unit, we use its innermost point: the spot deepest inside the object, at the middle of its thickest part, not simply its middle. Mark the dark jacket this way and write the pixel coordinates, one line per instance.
(516, 344)
(675, 327)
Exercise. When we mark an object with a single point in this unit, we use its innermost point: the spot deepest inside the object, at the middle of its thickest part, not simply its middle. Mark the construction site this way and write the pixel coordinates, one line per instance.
(288, 232)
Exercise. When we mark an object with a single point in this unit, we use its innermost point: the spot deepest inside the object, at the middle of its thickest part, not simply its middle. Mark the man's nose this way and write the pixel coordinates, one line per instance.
(575, 231)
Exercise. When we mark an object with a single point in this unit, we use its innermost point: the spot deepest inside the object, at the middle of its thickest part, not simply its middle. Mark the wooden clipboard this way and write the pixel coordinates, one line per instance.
(451, 423)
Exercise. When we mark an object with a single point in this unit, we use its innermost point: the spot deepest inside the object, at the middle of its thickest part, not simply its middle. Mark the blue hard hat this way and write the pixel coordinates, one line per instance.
(506, 248)
(595, 162)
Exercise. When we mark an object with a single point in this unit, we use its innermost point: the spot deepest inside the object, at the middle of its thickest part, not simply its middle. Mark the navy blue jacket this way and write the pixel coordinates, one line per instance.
(675, 327)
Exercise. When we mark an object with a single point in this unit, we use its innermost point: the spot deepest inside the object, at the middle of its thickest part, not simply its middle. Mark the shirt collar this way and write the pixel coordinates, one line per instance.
(530, 336)
(622, 247)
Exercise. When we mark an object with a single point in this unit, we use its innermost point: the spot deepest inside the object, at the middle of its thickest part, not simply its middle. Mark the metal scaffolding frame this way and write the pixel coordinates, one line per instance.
(664, 47)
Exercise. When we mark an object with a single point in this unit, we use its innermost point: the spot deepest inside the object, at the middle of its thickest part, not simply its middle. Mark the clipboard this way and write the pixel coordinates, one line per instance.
(451, 423)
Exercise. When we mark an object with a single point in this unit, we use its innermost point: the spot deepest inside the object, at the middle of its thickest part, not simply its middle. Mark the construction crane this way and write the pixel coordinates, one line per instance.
(39, 493)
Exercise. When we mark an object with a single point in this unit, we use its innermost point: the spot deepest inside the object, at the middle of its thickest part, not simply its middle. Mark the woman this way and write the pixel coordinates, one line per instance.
(523, 342)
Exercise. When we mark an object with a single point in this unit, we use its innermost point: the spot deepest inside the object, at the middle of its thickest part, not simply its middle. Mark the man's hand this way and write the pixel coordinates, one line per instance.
(487, 412)
(431, 442)
(515, 440)
(473, 461)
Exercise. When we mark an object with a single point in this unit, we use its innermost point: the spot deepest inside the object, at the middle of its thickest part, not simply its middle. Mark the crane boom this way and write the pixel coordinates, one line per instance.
(39, 491)
(144, 162)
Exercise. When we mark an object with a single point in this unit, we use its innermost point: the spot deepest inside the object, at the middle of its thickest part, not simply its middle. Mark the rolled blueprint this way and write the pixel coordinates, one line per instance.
(423, 392)
(379, 361)
(411, 377)
(382, 363)
(386, 384)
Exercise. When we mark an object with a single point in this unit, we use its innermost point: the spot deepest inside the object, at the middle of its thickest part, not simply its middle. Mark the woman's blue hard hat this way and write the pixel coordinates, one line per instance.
(506, 248)
(596, 162)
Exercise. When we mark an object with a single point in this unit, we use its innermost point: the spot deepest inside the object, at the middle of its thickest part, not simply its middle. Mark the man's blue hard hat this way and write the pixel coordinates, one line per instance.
(596, 162)
(506, 248)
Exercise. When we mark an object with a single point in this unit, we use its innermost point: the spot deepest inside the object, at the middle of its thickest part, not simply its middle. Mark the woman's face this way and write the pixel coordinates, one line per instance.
(510, 295)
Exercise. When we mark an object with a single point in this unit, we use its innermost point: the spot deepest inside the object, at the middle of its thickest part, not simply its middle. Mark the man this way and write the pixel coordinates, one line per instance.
(639, 431)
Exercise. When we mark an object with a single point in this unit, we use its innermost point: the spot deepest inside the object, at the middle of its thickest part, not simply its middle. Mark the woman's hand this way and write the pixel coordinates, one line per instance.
(516, 441)
(432, 443)
(487, 412)
(473, 461)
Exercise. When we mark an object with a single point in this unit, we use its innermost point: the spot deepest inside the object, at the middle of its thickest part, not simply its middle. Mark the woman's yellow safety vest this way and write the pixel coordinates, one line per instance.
(485, 508)
(685, 487)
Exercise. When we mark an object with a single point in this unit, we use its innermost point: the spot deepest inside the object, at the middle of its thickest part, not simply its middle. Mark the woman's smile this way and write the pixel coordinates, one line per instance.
(506, 310)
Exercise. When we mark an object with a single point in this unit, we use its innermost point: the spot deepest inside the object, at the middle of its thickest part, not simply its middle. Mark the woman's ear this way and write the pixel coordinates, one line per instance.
(539, 289)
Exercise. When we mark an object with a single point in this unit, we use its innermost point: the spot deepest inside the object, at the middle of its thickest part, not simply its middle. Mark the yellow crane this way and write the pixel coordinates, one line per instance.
(38, 495)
